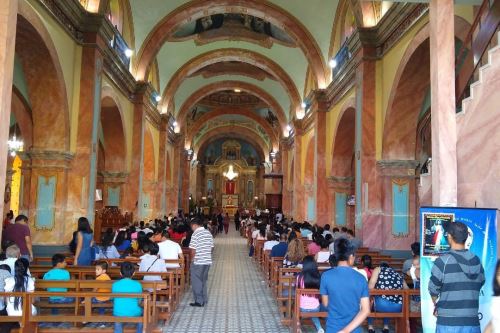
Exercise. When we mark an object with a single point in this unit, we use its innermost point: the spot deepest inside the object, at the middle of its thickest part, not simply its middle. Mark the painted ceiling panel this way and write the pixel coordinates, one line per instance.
(191, 85)
(175, 54)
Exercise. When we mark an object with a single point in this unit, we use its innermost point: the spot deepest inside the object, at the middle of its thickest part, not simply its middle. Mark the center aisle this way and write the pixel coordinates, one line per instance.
(238, 298)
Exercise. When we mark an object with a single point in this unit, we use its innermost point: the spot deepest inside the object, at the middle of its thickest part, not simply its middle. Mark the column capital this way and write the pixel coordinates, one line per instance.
(37, 158)
(397, 168)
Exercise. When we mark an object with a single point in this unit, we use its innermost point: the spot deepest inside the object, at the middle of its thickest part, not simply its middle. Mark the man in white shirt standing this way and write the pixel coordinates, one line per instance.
(201, 245)
(169, 250)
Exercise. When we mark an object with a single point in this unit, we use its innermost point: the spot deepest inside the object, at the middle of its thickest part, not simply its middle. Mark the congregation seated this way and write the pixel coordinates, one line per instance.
(150, 262)
(169, 250)
(107, 250)
(310, 278)
(323, 254)
(386, 278)
(271, 241)
(280, 249)
(294, 254)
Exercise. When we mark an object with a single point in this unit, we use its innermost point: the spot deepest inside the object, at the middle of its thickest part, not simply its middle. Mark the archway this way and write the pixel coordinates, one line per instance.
(264, 10)
(231, 54)
(111, 160)
(227, 85)
(343, 169)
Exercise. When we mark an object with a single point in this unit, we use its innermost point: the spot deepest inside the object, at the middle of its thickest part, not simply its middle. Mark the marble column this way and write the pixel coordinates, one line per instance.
(83, 174)
(443, 108)
(298, 212)
(162, 174)
(133, 187)
(320, 108)
(368, 216)
(8, 20)
(286, 204)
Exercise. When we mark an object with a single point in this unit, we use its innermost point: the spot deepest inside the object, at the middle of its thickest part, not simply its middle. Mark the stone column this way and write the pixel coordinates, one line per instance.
(8, 21)
(286, 194)
(83, 175)
(298, 213)
(368, 211)
(320, 107)
(443, 108)
(162, 169)
(131, 195)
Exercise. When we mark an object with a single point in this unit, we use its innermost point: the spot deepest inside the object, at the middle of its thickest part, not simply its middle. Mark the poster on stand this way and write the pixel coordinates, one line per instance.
(482, 241)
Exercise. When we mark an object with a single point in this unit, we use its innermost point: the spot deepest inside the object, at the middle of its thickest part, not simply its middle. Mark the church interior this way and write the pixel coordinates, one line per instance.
(349, 113)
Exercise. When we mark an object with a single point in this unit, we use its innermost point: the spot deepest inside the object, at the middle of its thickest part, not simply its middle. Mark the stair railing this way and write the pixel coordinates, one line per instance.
(477, 42)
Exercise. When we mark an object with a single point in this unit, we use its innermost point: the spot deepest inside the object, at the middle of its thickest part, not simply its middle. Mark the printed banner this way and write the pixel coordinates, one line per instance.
(482, 241)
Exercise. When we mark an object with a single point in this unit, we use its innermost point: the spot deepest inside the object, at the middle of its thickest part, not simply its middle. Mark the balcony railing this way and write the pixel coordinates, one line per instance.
(341, 58)
(120, 46)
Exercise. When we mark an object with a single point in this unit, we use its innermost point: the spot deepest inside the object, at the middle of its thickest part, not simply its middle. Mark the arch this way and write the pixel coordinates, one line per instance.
(410, 85)
(243, 136)
(228, 85)
(194, 10)
(338, 35)
(114, 146)
(21, 111)
(224, 111)
(236, 131)
(346, 107)
(232, 54)
(44, 77)
(343, 145)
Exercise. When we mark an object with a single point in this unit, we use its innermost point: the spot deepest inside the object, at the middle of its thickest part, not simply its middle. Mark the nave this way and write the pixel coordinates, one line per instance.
(239, 300)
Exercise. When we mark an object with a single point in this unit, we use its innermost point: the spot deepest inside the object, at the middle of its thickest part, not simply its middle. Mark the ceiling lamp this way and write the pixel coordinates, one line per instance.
(237, 90)
(230, 174)
(129, 53)
(14, 145)
(332, 63)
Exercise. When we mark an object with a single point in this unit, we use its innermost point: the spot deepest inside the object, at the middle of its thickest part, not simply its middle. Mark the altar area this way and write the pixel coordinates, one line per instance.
(231, 181)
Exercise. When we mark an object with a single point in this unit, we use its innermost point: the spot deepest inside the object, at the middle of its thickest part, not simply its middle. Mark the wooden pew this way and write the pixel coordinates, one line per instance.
(401, 319)
(167, 299)
(86, 316)
(24, 325)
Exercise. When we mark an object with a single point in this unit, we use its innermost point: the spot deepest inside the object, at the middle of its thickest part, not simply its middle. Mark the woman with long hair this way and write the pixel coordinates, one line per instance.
(122, 241)
(366, 265)
(84, 242)
(19, 282)
(310, 278)
(294, 254)
(107, 250)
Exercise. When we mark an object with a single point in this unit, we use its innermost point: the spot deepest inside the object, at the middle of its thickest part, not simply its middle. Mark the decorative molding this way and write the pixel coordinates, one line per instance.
(113, 176)
(398, 168)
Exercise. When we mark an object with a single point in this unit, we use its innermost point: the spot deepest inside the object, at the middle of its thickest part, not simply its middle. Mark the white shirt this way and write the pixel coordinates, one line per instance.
(323, 257)
(11, 262)
(495, 314)
(151, 263)
(327, 232)
(269, 244)
(9, 286)
(170, 250)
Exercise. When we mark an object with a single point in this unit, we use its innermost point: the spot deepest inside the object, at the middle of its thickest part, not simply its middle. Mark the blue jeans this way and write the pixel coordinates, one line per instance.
(384, 305)
(119, 328)
(100, 311)
(315, 320)
(457, 329)
(61, 300)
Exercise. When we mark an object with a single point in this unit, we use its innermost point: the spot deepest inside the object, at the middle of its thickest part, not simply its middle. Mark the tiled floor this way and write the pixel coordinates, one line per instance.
(239, 300)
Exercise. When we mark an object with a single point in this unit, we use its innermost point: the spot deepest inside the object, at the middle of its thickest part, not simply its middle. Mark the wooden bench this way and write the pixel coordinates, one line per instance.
(167, 298)
(401, 319)
(157, 290)
(85, 315)
(24, 325)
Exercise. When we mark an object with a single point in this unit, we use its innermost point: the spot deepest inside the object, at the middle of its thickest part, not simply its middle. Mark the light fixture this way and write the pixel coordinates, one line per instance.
(288, 127)
(14, 145)
(237, 90)
(303, 105)
(332, 63)
(174, 124)
(129, 53)
(230, 174)
(157, 98)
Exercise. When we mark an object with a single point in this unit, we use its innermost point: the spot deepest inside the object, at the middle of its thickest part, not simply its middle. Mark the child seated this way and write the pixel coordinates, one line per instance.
(58, 273)
(126, 307)
(101, 275)
(150, 262)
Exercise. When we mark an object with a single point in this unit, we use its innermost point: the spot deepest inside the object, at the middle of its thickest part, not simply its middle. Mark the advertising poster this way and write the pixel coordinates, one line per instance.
(482, 241)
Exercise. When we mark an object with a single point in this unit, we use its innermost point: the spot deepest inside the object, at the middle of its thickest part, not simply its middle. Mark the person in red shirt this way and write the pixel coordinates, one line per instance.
(9, 219)
(19, 233)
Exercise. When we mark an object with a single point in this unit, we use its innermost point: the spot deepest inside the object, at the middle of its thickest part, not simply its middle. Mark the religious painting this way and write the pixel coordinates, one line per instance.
(434, 233)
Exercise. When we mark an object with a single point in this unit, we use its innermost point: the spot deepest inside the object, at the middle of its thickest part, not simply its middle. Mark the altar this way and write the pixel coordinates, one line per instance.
(229, 203)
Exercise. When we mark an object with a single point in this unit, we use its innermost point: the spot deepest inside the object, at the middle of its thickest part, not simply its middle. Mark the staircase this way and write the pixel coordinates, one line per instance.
(478, 136)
